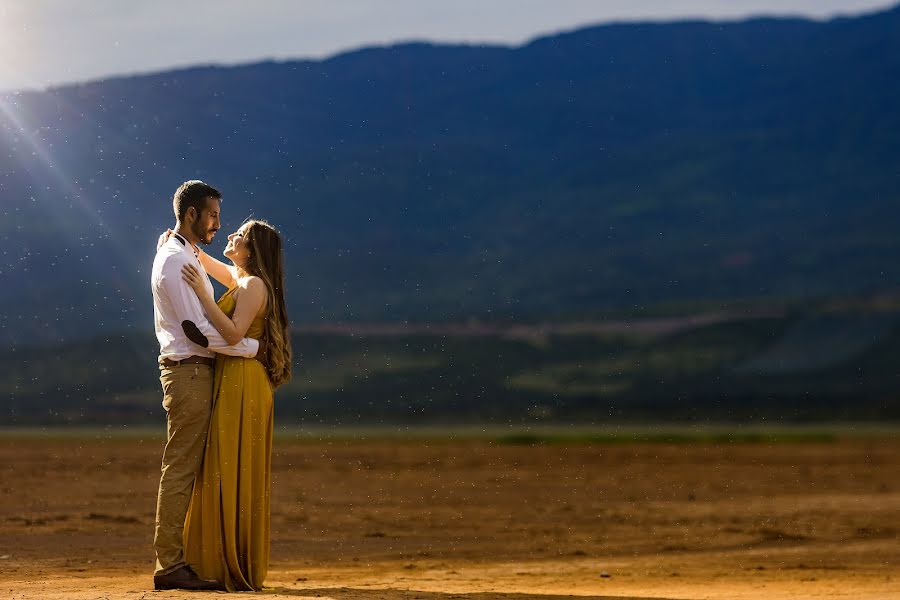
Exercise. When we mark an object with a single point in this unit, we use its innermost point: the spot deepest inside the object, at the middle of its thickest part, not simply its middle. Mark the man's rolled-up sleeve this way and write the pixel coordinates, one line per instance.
(188, 308)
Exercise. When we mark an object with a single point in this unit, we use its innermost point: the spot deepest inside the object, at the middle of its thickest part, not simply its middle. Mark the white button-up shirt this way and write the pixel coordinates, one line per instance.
(174, 301)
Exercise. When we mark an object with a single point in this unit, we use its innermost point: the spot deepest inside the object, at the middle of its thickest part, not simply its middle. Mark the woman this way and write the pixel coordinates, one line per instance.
(226, 534)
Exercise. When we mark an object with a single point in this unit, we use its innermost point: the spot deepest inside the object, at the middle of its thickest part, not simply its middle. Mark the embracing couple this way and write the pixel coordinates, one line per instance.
(219, 365)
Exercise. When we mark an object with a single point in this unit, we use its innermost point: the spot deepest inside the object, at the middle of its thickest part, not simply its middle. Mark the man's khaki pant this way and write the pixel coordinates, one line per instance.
(187, 398)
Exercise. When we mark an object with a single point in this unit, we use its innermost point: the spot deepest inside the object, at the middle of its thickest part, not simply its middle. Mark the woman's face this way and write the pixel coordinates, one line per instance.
(238, 248)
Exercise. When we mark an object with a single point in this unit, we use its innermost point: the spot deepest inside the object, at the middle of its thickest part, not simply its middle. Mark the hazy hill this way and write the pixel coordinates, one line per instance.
(613, 166)
(830, 365)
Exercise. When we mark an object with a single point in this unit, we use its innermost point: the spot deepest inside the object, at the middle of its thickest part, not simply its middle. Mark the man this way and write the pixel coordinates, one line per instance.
(188, 343)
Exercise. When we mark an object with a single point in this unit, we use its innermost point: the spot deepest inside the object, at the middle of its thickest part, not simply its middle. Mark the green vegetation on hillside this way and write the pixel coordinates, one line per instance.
(720, 372)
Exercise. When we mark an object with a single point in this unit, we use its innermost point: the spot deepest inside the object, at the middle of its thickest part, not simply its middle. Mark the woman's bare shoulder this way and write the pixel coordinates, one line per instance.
(252, 287)
(251, 282)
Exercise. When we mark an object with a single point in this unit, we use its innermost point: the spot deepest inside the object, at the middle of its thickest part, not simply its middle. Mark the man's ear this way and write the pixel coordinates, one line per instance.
(190, 214)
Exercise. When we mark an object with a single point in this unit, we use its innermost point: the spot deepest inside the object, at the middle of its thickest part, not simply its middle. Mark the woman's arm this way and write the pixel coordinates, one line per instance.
(221, 272)
(250, 301)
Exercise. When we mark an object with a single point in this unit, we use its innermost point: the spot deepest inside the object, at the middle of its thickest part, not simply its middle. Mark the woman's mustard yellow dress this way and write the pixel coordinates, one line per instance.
(226, 534)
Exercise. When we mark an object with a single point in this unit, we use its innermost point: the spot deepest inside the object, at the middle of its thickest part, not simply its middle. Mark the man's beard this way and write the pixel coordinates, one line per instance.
(204, 235)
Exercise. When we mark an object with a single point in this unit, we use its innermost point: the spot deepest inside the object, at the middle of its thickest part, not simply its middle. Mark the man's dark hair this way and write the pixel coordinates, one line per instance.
(192, 193)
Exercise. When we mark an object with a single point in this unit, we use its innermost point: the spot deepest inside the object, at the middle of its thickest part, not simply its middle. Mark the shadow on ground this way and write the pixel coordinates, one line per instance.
(389, 594)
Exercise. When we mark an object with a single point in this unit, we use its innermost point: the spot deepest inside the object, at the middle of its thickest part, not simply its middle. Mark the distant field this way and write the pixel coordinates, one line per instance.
(823, 365)
(506, 435)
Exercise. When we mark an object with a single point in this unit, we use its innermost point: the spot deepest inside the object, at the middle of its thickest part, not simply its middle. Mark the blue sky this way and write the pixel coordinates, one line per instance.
(46, 42)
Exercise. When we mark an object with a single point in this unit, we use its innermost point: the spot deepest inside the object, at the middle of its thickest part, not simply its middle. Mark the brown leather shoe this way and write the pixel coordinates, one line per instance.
(184, 579)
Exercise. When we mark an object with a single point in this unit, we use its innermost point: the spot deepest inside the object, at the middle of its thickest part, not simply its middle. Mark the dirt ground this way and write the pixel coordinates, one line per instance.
(440, 520)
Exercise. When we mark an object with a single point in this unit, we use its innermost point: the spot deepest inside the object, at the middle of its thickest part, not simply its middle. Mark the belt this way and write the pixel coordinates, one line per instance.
(190, 360)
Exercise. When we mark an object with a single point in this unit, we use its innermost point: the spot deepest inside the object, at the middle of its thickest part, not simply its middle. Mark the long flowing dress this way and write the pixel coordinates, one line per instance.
(226, 534)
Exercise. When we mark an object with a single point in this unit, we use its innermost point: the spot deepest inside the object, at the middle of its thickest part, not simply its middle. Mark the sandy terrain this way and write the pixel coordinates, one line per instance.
(473, 520)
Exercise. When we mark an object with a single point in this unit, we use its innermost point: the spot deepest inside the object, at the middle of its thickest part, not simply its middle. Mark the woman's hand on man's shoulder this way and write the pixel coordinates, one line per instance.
(163, 238)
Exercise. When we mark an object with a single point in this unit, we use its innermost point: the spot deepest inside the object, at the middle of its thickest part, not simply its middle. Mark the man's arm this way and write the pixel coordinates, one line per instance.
(189, 312)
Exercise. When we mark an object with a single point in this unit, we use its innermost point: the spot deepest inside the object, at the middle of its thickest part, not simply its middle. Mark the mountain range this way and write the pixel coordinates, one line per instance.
(612, 168)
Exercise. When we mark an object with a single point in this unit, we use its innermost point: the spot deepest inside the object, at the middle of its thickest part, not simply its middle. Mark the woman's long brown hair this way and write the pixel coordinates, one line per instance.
(267, 262)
